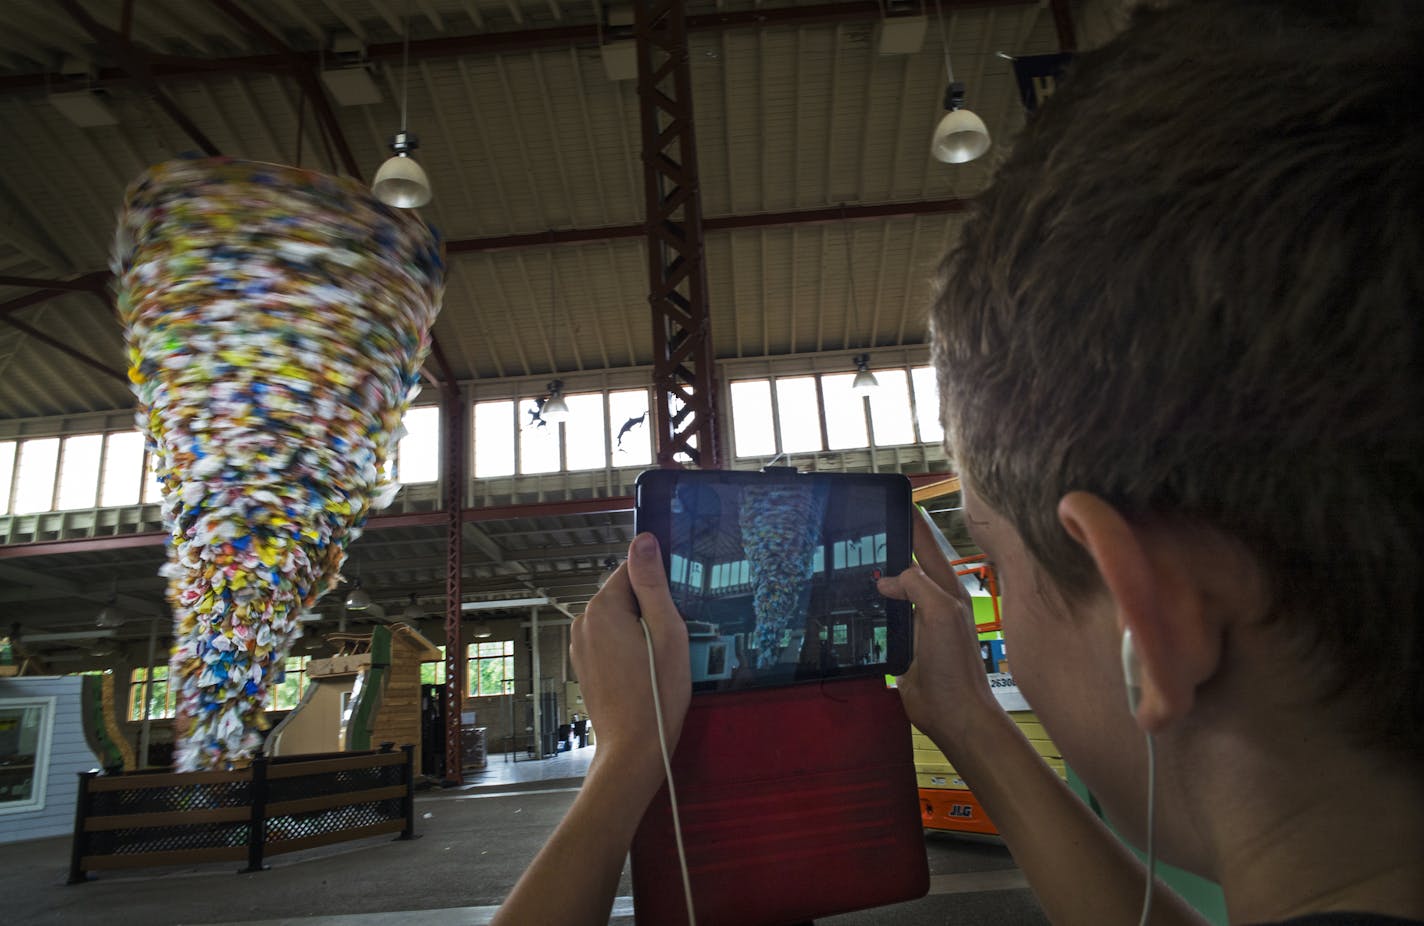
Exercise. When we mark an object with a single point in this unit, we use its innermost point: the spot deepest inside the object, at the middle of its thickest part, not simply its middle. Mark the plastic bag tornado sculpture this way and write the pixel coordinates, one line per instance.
(781, 527)
(276, 322)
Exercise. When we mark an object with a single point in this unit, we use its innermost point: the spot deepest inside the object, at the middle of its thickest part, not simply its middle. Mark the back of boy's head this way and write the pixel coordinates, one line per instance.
(1195, 290)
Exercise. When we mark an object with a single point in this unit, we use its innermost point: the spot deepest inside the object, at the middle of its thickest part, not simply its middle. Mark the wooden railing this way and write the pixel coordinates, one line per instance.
(145, 819)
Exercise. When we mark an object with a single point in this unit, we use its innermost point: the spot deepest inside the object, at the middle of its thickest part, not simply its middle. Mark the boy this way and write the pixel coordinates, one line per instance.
(1180, 362)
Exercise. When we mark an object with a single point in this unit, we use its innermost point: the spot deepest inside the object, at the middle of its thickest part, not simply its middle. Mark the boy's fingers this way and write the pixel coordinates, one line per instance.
(649, 585)
(928, 552)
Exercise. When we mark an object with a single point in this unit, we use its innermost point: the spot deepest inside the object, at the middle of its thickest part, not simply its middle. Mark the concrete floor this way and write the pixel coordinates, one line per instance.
(474, 842)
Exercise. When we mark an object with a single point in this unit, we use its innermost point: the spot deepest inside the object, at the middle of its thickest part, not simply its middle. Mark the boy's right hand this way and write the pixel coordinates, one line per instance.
(945, 689)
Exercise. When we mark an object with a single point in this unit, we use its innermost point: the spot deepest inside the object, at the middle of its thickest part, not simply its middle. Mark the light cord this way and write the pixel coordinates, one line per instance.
(405, 60)
(944, 40)
(850, 279)
(667, 770)
(1151, 831)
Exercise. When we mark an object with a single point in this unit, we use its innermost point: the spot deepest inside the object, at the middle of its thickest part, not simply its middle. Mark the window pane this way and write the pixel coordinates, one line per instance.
(418, 454)
(152, 488)
(494, 438)
(123, 469)
(927, 404)
(538, 442)
(35, 489)
(79, 480)
(845, 413)
(752, 432)
(890, 409)
(7, 473)
(632, 427)
(799, 414)
(585, 432)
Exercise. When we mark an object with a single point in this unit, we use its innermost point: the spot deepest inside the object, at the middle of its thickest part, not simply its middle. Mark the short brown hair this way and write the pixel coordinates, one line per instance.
(1194, 289)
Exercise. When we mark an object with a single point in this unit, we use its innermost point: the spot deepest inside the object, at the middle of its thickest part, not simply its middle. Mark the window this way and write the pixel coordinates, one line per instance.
(800, 414)
(151, 684)
(494, 439)
(845, 413)
(7, 473)
(927, 404)
(538, 441)
(585, 432)
(418, 453)
(491, 668)
(890, 409)
(290, 684)
(753, 430)
(152, 488)
(26, 729)
(433, 673)
(79, 472)
(599, 423)
(122, 479)
(631, 426)
(34, 489)
(806, 414)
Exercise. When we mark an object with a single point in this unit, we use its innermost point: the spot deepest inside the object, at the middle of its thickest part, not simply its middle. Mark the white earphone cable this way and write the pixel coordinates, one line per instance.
(667, 770)
(1151, 831)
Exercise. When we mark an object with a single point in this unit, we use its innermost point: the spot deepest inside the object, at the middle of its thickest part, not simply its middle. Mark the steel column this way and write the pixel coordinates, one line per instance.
(452, 419)
(684, 382)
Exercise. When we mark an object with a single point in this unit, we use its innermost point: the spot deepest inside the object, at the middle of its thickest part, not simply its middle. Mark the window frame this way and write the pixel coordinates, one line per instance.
(44, 746)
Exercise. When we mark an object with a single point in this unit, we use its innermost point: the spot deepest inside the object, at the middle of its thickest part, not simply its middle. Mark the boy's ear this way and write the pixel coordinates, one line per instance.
(1151, 578)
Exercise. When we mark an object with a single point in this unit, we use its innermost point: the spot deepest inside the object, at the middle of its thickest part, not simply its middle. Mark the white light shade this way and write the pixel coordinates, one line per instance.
(556, 409)
(109, 616)
(357, 599)
(481, 631)
(863, 383)
(401, 182)
(959, 138)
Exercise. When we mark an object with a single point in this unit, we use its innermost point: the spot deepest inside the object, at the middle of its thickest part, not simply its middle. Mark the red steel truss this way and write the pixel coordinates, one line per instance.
(685, 394)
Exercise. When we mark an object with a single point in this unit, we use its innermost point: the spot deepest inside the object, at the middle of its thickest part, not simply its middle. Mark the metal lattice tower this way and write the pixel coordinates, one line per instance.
(685, 399)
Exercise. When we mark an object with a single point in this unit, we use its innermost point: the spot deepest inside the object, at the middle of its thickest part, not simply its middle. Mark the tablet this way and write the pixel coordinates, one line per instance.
(775, 571)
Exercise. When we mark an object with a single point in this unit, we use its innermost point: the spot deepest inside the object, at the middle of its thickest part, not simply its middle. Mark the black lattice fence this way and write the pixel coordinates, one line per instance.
(144, 819)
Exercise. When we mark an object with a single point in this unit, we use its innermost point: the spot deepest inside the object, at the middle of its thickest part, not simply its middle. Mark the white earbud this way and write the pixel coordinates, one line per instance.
(1131, 671)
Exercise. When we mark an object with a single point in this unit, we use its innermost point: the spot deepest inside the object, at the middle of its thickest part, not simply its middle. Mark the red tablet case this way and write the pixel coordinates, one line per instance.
(795, 803)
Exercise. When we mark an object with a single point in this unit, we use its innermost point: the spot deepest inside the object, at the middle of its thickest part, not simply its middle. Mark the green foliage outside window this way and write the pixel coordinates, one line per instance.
(433, 673)
(491, 668)
(287, 693)
(154, 684)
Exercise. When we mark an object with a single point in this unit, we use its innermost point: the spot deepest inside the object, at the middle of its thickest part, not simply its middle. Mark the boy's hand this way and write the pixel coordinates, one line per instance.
(945, 687)
(610, 656)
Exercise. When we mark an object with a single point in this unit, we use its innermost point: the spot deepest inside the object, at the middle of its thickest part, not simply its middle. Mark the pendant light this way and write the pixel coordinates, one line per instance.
(961, 135)
(556, 408)
(401, 181)
(413, 611)
(358, 599)
(864, 382)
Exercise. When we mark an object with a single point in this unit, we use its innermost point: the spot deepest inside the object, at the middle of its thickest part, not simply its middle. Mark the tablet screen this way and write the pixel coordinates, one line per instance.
(776, 574)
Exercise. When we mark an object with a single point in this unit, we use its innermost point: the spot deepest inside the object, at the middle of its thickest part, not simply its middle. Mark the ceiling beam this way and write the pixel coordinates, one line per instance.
(65, 349)
(170, 66)
(87, 283)
(714, 223)
(99, 279)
